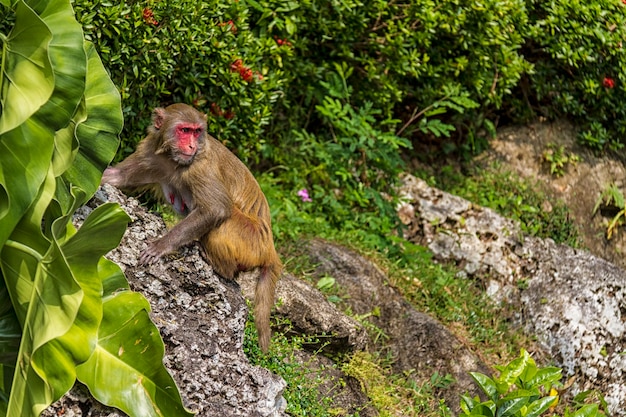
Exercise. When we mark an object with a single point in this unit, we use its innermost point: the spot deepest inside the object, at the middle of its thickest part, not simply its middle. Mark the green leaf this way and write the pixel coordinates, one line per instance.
(510, 373)
(509, 408)
(545, 376)
(69, 64)
(69, 61)
(486, 409)
(27, 78)
(126, 368)
(98, 124)
(47, 299)
(588, 410)
(25, 153)
(325, 283)
(290, 26)
(468, 403)
(538, 407)
(10, 334)
(486, 384)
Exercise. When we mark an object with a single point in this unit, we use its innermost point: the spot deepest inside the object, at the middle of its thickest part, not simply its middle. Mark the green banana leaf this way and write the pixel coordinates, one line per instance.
(26, 60)
(126, 369)
(27, 83)
(98, 122)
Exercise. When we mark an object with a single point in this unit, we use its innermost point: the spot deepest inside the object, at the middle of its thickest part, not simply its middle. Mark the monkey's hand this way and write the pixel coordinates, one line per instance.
(111, 176)
(153, 252)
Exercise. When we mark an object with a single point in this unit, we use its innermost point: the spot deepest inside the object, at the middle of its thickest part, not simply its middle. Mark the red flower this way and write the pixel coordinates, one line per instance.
(608, 82)
(235, 66)
(285, 42)
(148, 17)
(216, 109)
(230, 23)
(246, 73)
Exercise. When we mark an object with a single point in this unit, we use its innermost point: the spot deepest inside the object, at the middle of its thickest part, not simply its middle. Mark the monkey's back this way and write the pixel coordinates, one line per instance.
(244, 241)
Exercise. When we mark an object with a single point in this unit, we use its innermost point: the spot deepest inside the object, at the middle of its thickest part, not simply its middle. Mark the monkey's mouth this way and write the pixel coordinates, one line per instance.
(185, 158)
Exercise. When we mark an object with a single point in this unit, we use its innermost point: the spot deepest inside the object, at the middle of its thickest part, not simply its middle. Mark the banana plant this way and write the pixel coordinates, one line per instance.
(66, 312)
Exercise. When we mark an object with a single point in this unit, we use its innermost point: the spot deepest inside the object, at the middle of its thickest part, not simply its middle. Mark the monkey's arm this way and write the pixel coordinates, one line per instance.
(201, 220)
(132, 172)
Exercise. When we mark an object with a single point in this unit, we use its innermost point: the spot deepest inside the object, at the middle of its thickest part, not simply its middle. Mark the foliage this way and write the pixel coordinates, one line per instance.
(612, 199)
(404, 54)
(67, 311)
(521, 390)
(524, 390)
(580, 66)
(302, 393)
(557, 158)
(198, 52)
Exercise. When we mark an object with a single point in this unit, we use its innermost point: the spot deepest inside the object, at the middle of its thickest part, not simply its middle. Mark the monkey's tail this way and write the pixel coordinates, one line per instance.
(264, 300)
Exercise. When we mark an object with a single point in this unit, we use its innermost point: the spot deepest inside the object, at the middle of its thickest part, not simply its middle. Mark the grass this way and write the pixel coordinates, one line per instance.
(302, 393)
(392, 394)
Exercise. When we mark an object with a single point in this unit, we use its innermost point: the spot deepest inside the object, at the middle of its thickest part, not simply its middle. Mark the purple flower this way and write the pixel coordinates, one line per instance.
(304, 195)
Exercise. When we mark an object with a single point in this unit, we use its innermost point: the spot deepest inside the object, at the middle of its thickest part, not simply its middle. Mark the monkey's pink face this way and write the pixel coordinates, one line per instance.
(188, 137)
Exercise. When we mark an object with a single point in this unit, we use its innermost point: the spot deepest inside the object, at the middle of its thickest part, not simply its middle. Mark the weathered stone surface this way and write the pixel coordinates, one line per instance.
(310, 313)
(570, 299)
(416, 341)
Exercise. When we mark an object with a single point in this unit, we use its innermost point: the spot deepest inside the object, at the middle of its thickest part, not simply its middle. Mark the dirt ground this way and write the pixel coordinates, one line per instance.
(520, 150)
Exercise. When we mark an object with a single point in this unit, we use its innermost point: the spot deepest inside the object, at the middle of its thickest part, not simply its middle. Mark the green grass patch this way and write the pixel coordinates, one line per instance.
(393, 394)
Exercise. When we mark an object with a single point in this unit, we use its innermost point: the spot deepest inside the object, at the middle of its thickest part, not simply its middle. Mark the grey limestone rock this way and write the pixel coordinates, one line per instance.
(573, 301)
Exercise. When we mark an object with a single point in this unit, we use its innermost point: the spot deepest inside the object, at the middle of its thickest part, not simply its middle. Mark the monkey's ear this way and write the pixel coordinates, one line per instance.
(158, 116)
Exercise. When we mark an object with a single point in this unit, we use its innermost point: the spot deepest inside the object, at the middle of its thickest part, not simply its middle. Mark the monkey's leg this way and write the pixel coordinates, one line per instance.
(233, 248)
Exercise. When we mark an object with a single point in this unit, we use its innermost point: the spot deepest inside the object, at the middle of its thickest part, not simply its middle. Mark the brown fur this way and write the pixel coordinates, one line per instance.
(226, 209)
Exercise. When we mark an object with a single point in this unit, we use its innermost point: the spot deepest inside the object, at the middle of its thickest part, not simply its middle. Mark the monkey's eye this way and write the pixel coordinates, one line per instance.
(185, 129)
(197, 131)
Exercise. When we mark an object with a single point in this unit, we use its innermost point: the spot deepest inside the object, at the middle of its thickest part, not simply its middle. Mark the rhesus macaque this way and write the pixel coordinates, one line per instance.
(223, 205)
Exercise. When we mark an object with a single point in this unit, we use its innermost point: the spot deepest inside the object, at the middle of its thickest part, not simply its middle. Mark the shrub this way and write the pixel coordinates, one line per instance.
(198, 52)
(237, 60)
(521, 389)
(404, 55)
(579, 57)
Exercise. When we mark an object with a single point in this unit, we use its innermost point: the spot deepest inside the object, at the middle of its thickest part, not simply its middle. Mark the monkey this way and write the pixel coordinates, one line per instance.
(222, 204)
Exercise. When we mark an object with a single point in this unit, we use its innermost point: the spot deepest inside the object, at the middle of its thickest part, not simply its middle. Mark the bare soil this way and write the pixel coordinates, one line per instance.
(520, 150)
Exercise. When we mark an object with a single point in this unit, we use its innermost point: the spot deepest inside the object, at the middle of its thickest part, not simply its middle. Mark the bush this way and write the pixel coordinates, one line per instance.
(201, 53)
(236, 60)
(580, 66)
(404, 55)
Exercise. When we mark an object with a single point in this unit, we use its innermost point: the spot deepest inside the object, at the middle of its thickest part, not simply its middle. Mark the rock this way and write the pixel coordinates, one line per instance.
(310, 313)
(201, 318)
(417, 342)
(571, 300)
